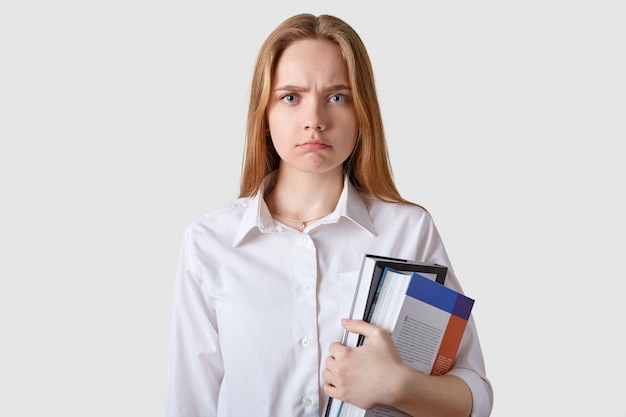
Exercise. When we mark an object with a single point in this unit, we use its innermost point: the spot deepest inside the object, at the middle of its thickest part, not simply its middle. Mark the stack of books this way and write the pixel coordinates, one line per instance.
(426, 320)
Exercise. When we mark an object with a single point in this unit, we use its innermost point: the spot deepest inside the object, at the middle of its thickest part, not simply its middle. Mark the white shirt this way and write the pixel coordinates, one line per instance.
(257, 304)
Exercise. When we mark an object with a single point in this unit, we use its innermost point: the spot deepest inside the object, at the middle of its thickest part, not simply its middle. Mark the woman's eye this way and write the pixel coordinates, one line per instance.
(289, 98)
(338, 98)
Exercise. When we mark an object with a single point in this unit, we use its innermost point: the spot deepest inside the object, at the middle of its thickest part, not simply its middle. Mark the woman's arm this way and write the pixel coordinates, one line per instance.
(195, 364)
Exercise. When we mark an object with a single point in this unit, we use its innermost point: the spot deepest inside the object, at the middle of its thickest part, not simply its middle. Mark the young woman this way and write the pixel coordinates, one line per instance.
(265, 283)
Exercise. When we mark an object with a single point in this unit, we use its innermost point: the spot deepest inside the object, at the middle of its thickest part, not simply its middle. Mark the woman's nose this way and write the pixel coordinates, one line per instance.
(315, 118)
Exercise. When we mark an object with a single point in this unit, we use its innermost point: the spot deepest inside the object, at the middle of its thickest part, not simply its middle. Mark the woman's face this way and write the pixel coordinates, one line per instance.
(311, 115)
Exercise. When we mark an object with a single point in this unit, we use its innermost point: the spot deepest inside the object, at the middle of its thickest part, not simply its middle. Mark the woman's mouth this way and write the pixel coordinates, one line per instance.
(313, 145)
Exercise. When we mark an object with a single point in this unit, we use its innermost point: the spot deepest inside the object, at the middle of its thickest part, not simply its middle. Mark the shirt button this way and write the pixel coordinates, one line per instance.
(303, 240)
(306, 289)
(306, 342)
(307, 402)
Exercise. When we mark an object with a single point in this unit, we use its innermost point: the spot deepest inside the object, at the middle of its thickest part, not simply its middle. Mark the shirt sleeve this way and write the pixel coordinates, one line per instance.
(470, 367)
(195, 364)
(469, 364)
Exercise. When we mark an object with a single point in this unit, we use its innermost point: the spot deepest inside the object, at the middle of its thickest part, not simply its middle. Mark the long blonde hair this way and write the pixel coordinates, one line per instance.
(368, 167)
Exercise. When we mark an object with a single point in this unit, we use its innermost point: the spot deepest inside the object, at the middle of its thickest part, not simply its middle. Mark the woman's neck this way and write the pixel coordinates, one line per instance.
(299, 197)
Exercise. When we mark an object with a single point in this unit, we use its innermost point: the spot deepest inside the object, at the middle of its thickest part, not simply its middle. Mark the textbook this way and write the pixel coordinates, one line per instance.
(370, 274)
(426, 321)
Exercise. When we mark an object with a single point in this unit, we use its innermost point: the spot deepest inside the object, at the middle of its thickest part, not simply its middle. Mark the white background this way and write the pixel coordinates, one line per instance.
(122, 121)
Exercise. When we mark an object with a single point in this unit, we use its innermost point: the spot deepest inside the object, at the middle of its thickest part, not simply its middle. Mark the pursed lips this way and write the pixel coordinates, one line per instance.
(313, 145)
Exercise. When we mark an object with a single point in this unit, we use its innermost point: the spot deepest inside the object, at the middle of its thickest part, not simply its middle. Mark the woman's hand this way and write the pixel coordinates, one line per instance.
(366, 376)
(374, 374)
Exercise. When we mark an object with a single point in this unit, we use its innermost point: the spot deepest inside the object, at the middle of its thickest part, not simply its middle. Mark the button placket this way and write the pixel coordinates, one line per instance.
(304, 328)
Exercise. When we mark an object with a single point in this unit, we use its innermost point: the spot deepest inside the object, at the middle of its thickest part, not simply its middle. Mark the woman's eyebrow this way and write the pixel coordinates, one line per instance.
(338, 87)
(290, 87)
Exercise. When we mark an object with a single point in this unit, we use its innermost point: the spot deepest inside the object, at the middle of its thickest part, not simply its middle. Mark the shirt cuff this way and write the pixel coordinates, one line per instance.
(482, 392)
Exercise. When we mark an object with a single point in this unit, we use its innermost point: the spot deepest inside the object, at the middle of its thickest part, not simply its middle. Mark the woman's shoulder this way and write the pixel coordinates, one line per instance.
(225, 216)
(407, 208)
(403, 222)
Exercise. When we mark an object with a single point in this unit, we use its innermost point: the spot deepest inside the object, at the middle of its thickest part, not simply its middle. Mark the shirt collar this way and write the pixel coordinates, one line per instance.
(353, 207)
(257, 215)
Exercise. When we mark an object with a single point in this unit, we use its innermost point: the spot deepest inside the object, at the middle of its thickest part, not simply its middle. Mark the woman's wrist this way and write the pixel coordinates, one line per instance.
(405, 387)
